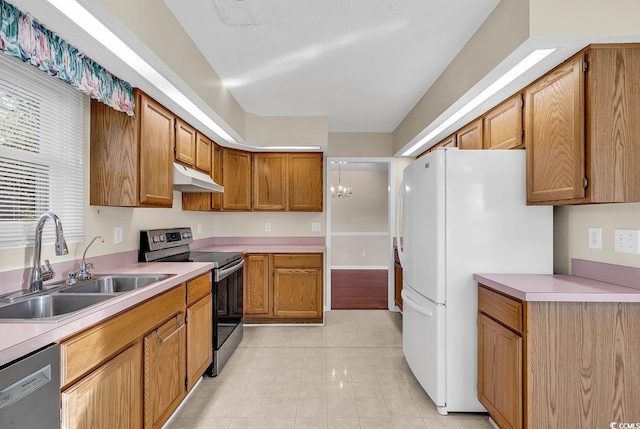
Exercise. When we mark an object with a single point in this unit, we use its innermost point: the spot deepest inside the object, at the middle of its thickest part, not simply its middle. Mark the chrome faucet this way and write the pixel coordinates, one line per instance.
(83, 273)
(37, 275)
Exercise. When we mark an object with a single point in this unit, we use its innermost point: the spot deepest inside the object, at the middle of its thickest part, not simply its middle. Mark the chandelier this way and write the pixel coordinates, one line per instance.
(341, 191)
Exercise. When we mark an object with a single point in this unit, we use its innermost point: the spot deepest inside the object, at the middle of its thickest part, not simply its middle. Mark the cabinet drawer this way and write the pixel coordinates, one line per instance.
(198, 287)
(297, 260)
(505, 310)
(93, 347)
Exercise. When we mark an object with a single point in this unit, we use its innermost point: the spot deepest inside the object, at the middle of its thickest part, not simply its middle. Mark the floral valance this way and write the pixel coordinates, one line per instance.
(23, 37)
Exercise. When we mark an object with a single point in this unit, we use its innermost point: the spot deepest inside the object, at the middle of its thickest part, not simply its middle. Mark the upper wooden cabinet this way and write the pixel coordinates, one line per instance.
(185, 143)
(582, 130)
(305, 181)
(203, 153)
(503, 127)
(555, 134)
(269, 181)
(236, 179)
(216, 165)
(470, 136)
(131, 157)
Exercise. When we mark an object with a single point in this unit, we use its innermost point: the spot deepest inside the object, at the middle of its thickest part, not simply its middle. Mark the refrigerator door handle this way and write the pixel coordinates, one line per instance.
(416, 307)
(399, 205)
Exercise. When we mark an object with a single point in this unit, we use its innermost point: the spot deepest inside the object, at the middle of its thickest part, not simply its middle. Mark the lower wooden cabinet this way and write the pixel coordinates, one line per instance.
(287, 287)
(133, 370)
(164, 371)
(500, 372)
(107, 398)
(199, 329)
(553, 365)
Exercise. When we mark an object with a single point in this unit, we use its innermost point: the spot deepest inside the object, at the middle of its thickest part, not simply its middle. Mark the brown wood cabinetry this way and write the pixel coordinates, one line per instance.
(286, 287)
(131, 157)
(397, 279)
(470, 136)
(297, 286)
(185, 143)
(270, 181)
(109, 397)
(256, 292)
(134, 369)
(164, 371)
(216, 173)
(236, 179)
(448, 142)
(503, 127)
(203, 153)
(305, 181)
(557, 364)
(582, 130)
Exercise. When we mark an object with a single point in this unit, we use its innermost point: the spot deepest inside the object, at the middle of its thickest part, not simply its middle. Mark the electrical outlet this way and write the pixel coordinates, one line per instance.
(364, 254)
(199, 228)
(267, 226)
(595, 238)
(626, 240)
(117, 235)
(315, 226)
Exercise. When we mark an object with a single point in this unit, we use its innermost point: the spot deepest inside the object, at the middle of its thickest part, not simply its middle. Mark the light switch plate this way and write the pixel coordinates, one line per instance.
(199, 228)
(315, 226)
(626, 240)
(118, 235)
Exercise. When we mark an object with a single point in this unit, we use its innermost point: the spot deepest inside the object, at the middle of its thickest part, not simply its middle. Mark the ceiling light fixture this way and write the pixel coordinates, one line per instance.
(341, 191)
(532, 59)
(89, 23)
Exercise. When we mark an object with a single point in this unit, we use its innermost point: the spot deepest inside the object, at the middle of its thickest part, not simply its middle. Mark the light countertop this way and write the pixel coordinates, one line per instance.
(20, 338)
(557, 287)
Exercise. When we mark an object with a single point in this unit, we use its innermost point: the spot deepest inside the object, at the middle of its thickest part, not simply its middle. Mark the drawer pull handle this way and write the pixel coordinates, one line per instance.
(178, 328)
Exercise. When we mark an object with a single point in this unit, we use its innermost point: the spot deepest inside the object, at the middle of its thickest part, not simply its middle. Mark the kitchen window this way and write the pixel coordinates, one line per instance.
(41, 154)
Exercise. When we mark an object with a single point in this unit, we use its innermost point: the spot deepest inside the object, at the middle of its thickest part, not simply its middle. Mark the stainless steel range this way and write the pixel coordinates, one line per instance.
(172, 245)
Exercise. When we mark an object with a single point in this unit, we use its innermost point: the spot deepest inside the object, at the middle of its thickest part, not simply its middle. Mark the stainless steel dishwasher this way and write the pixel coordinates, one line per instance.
(30, 391)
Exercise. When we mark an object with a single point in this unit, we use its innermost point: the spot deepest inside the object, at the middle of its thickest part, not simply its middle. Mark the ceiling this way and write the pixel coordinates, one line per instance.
(362, 63)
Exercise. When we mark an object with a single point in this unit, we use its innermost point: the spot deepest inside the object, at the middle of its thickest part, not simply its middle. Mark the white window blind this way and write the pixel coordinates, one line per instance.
(41, 154)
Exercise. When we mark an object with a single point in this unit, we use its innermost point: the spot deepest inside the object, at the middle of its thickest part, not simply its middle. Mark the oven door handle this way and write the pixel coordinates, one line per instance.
(221, 274)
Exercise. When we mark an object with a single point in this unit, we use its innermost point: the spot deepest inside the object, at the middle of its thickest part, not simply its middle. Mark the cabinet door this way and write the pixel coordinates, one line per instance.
(216, 165)
(203, 153)
(500, 372)
(554, 134)
(297, 292)
(470, 136)
(236, 178)
(164, 371)
(256, 293)
(107, 398)
(269, 181)
(157, 138)
(305, 181)
(185, 143)
(199, 339)
(503, 125)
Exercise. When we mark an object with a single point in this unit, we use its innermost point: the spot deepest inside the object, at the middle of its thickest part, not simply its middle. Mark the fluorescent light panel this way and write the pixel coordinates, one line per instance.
(103, 35)
(532, 59)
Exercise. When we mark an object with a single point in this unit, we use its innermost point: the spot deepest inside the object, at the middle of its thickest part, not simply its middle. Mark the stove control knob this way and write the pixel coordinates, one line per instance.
(163, 237)
(185, 235)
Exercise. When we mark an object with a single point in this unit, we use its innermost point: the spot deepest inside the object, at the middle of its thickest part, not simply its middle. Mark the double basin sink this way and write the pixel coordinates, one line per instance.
(63, 300)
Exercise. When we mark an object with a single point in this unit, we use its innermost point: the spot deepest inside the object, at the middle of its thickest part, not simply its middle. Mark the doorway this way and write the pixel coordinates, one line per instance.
(359, 233)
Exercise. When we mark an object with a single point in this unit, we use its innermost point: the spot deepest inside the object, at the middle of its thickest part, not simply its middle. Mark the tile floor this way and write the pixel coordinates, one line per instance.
(350, 373)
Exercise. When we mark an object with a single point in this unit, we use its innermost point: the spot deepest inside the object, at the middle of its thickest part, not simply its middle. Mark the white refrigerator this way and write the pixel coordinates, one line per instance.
(463, 212)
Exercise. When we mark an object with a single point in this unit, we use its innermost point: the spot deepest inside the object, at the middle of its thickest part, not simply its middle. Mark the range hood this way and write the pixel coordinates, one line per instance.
(187, 179)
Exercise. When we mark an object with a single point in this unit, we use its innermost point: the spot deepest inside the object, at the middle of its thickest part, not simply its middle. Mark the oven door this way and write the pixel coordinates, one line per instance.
(227, 290)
